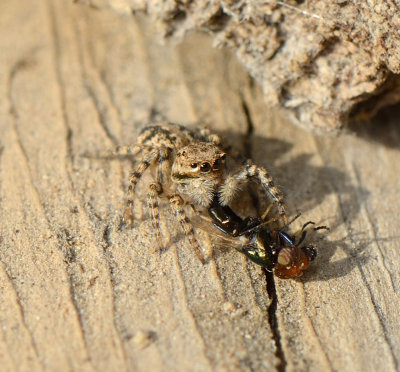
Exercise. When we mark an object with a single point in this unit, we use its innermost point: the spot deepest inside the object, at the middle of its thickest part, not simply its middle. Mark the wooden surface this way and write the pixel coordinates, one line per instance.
(78, 295)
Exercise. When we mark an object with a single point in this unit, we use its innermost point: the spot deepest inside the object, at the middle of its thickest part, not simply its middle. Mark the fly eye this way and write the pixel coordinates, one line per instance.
(205, 167)
(310, 252)
(194, 165)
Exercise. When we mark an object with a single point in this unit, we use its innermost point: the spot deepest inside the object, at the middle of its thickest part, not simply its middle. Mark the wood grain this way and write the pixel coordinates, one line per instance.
(78, 295)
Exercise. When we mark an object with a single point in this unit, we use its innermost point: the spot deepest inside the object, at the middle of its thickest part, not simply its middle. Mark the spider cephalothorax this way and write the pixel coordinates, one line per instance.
(198, 170)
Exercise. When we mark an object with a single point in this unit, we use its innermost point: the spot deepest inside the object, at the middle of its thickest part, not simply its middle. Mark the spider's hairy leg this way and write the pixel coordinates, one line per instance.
(128, 150)
(269, 186)
(155, 189)
(176, 203)
(271, 220)
(148, 158)
(266, 213)
(118, 152)
(286, 221)
(163, 174)
(234, 182)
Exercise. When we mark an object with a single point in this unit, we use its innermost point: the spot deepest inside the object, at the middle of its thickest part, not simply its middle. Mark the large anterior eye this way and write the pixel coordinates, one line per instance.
(217, 164)
(205, 167)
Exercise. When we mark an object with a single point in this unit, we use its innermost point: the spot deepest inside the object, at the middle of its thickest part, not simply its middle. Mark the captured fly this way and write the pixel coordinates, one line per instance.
(273, 249)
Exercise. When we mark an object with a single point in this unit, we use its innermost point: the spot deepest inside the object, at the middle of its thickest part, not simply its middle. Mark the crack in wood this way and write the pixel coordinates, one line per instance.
(249, 128)
(111, 268)
(273, 320)
(21, 310)
(270, 280)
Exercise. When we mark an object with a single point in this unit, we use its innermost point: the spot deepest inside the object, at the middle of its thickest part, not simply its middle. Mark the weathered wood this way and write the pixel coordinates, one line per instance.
(78, 295)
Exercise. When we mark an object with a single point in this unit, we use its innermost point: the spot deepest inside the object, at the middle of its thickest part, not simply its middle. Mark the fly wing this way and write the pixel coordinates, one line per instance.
(219, 238)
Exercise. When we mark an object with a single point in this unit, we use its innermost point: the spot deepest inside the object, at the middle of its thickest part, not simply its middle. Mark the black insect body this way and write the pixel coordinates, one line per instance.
(272, 249)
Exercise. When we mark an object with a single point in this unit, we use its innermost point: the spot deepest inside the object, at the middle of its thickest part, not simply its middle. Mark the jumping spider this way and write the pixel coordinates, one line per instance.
(188, 168)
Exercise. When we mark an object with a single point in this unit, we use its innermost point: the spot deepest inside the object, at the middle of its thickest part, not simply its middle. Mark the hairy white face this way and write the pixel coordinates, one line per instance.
(199, 161)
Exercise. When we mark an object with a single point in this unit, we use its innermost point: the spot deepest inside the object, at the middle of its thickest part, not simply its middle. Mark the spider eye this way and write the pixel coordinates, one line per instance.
(223, 157)
(193, 165)
(205, 167)
(216, 164)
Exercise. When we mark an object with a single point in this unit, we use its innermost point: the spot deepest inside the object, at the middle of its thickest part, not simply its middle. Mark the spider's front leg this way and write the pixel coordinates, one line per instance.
(177, 203)
(236, 180)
